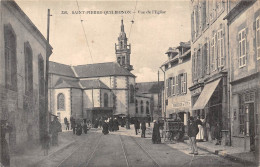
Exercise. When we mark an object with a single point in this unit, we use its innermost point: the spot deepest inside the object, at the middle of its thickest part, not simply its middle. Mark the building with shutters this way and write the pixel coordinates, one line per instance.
(92, 91)
(244, 51)
(177, 80)
(22, 75)
(210, 65)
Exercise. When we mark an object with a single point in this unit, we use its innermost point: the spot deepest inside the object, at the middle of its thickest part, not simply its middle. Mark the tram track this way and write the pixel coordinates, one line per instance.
(125, 152)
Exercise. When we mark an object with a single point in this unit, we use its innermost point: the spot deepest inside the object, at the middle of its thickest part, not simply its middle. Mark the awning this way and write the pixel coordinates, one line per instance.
(205, 95)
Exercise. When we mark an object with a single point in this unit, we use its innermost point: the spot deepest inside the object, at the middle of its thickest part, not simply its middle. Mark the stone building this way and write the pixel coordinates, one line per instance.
(94, 90)
(244, 52)
(177, 80)
(153, 91)
(22, 75)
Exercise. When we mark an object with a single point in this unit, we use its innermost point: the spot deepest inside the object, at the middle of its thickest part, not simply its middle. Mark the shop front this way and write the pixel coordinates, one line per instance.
(210, 106)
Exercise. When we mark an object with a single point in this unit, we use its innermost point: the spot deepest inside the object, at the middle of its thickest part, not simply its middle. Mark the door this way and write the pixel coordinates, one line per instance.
(250, 124)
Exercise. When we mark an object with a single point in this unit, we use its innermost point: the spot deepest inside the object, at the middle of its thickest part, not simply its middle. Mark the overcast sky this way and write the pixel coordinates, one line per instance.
(151, 34)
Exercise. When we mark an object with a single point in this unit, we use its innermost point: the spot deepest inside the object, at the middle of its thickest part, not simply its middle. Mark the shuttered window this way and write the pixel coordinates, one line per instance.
(185, 83)
(220, 46)
(176, 85)
(242, 48)
(173, 85)
(213, 53)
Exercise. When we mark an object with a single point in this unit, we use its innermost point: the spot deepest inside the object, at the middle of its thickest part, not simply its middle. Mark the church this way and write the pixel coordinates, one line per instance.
(92, 91)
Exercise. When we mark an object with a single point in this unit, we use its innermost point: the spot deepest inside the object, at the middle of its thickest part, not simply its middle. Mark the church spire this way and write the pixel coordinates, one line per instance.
(122, 26)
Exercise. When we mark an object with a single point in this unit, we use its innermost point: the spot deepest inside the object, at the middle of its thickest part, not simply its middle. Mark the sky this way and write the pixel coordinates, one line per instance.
(150, 35)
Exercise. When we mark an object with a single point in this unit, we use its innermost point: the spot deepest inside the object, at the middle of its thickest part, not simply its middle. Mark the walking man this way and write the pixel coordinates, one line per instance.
(55, 128)
(137, 126)
(193, 130)
(143, 128)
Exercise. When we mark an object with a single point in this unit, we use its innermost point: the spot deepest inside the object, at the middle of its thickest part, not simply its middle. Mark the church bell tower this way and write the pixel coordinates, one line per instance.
(123, 50)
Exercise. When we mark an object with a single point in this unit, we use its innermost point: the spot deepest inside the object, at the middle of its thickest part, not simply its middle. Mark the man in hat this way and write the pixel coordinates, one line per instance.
(4, 151)
(55, 128)
(193, 130)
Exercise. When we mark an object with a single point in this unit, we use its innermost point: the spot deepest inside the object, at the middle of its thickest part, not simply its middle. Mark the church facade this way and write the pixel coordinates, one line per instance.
(92, 91)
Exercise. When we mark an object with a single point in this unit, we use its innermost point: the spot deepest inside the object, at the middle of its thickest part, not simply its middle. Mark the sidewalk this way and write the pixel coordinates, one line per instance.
(229, 152)
(34, 153)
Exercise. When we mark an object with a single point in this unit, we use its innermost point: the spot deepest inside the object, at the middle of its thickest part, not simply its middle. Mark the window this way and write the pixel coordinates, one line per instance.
(173, 85)
(241, 115)
(182, 83)
(169, 86)
(147, 107)
(28, 64)
(213, 53)
(205, 59)
(142, 107)
(41, 75)
(61, 101)
(258, 37)
(195, 65)
(176, 85)
(220, 6)
(10, 58)
(195, 23)
(220, 47)
(242, 48)
(198, 63)
(123, 60)
(136, 106)
(105, 100)
(132, 91)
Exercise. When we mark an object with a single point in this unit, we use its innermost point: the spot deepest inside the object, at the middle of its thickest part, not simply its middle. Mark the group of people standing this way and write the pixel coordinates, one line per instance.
(110, 125)
(137, 127)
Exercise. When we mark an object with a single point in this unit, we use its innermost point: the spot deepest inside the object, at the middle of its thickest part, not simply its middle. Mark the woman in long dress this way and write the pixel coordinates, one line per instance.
(156, 138)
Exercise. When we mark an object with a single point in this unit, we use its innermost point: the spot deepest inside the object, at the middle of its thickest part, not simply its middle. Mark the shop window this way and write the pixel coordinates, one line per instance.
(28, 74)
(105, 100)
(142, 107)
(241, 115)
(61, 101)
(10, 58)
(258, 37)
(242, 48)
(147, 107)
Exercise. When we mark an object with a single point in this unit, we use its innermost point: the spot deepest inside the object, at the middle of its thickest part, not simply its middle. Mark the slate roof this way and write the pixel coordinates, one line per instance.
(61, 69)
(149, 87)
(89, 70)
(101, 69)
(66, 83)
(93, 84)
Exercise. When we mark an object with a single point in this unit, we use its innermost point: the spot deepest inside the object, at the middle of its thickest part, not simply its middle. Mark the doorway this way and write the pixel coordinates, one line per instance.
(250, 124)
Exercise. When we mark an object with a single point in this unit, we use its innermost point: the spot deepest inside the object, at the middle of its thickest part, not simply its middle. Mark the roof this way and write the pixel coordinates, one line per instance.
(101, 69)
(61, 69)
(149, 87)
(66, 83)
(142, 95)
(93, 84)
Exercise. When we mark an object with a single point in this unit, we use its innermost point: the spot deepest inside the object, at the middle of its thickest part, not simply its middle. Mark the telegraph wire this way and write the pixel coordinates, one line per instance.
(85, 34)
(133, 20)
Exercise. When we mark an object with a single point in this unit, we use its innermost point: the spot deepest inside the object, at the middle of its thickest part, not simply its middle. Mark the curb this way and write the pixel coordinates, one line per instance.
(222, 154)
(51, 153)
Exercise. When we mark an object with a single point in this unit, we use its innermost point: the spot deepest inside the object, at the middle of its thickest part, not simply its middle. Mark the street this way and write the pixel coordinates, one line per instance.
(124, 148)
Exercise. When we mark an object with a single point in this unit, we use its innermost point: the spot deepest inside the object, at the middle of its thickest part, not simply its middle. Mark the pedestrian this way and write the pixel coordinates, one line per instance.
(85, 127)
(105, 127)
(55, 128)
(193, 130)
(110, 124)
(143, 128)
(217, 134)
(46, 143)
(100, 122)
(66, 122)
(200, 135)
(137, 126)
(68, 126)
(156, 138)
(79, 129)
(5, 154)
(115, 125)
(73, 124)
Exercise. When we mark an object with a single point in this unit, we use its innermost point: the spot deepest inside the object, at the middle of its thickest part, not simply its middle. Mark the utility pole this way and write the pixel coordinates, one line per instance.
(158, 104)
(46, 115)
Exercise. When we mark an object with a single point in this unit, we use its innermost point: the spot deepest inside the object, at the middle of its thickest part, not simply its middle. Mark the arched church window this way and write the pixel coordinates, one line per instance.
(136, 106)
(105, 100)
(132, 93)
(142, 107)
(10, 58)
(61, 101)
(28, 66)
(147, 107)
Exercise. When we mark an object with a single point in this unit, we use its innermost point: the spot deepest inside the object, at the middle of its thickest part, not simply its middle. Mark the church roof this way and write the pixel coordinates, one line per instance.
(149, 87)
(67, 83)
(89, 70)
(93, 84)
(101, 69)
(61, 69)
